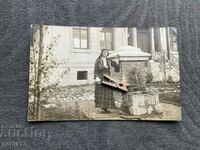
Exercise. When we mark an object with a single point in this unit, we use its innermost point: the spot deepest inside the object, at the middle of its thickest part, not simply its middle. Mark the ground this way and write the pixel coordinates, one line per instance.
(77, 103)
(170, 112)
(85, 110)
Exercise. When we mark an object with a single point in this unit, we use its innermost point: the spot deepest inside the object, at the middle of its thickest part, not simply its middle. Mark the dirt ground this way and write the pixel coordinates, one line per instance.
(170, 112)
(77, 103)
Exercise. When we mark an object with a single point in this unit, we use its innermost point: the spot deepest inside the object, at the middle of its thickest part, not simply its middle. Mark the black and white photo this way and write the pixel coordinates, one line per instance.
(103, 73)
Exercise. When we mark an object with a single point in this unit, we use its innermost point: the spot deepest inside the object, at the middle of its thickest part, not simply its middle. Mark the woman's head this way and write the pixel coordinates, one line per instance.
(104, 53)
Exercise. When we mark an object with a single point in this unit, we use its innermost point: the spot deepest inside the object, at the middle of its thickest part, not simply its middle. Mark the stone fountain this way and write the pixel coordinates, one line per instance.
(138, 100)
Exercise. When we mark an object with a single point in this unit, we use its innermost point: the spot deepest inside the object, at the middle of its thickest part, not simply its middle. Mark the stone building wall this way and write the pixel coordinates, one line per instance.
(72, 60)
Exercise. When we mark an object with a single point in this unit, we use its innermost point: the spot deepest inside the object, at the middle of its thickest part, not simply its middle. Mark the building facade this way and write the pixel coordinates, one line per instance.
(75, 49)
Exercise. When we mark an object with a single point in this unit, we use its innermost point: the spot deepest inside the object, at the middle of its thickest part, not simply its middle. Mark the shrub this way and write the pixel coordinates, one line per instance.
(149, 78)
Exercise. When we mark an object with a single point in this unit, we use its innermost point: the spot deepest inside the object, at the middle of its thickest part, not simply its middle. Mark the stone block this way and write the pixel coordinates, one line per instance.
(138, 111)
(143, 102)
(149, 110)
(151, 99)
(173, 75)
(158, 108)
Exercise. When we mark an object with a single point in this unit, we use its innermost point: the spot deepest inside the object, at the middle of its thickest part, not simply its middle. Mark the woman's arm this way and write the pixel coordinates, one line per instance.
(96, 72)
(98, 67)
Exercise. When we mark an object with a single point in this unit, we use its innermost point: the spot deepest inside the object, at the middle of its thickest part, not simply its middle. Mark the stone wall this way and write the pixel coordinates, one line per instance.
(132, 71)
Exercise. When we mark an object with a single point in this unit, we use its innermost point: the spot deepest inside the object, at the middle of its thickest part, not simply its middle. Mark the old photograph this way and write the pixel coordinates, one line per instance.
(104, 73)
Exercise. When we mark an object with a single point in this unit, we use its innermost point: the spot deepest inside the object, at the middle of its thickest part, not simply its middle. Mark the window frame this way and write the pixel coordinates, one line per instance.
(82, 75)
(104, 31)
(87, 31)
(170, 41)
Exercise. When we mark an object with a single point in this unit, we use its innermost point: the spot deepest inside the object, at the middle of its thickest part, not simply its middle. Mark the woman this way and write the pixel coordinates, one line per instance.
(103, 94)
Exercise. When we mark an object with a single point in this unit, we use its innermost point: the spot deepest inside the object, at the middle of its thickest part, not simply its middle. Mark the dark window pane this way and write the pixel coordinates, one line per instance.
(82, 75)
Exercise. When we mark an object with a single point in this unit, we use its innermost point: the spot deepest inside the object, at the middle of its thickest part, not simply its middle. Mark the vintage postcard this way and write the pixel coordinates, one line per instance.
(103, 73)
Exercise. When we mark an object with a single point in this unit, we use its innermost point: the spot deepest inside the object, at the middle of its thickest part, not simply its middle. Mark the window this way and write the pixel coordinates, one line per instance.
(80, 37)
(106, 38)
(172, 37)
(82, 75)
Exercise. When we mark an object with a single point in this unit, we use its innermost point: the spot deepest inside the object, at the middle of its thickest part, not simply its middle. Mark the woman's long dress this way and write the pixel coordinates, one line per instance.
(103, 93)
